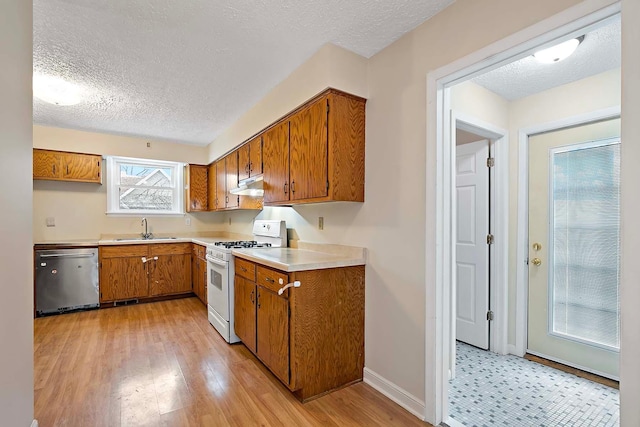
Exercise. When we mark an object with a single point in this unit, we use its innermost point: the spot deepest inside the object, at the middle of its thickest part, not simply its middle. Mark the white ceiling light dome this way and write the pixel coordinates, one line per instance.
(558, 52)
(56, 90)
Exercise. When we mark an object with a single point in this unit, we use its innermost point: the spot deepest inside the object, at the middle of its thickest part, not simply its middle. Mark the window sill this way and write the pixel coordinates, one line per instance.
(145, 214)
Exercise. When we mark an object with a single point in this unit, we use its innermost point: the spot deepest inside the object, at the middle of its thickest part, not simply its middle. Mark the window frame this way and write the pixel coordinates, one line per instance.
(113, 184)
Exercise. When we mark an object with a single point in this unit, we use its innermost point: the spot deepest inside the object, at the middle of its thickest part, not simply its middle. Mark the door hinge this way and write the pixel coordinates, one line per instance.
(489, 315)
(490, 239)
(491, 162)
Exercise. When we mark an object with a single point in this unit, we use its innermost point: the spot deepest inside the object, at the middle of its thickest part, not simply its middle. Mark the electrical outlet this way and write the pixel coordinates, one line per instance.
(51, 221)
(187, 221)
(320, 223)
(148, 145)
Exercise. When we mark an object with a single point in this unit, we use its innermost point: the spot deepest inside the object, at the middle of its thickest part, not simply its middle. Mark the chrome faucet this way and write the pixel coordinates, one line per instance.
(146, 235)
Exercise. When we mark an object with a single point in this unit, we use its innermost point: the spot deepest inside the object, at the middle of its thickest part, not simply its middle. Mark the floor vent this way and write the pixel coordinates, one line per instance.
(127, 302)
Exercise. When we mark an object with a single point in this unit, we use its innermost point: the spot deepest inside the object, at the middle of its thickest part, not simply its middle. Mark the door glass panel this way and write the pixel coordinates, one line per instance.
(216, 278)
(585, 252)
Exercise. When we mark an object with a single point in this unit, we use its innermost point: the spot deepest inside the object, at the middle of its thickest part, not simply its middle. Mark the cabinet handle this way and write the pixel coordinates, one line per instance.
(285, 188)
(243, 269)
(269, 279)
(293, 186)
(250, 166)
(251, 297)
(258, 299)
(67, 169)
(53, 169)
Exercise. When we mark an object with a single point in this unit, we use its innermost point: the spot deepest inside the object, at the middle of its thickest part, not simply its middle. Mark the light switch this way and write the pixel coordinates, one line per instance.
(187, 221)
(51, 221)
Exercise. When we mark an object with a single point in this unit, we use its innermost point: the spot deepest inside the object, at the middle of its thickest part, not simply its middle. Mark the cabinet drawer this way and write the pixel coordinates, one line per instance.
(271, 279)
(122, 251)
(170, 249)
(246, 269)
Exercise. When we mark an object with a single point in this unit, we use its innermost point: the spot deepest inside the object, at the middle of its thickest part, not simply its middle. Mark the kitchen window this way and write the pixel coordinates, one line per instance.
(144, 187)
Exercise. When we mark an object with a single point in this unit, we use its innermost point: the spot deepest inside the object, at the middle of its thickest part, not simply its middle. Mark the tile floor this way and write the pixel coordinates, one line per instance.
(494, 390)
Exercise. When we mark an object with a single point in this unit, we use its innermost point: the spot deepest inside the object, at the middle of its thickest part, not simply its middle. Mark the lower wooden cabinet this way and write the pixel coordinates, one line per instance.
(311, 337)
(199, 272)
(141, 271)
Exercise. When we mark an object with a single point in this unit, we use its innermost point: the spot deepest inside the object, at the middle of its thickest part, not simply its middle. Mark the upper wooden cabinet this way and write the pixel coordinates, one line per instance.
(212, 195)
(317, 153)
(231, 166)
(64, 166)
(197, 188)
(250, 158)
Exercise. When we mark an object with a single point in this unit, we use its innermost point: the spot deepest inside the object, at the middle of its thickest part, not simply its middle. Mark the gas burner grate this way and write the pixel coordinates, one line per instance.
(241, 244)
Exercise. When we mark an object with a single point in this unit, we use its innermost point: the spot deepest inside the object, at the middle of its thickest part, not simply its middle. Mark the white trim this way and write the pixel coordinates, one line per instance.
(522, 242)
(438, 223)
(499, 208)
(454, 423)
(573, 365)
(511, 349)
(34, 423)
(395, 393)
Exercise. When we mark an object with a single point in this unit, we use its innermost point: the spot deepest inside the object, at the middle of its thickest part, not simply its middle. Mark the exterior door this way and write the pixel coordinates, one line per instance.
(472, 250)
(574, 246)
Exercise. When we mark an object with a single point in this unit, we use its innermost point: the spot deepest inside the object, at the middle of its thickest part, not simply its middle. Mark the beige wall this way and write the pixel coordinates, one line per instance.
(630, 177)
(16, 254)
(79, 208)
(331, 66)
(581, 97)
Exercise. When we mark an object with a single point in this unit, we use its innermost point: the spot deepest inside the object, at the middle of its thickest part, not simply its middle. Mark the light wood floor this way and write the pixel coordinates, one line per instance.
(162, 364)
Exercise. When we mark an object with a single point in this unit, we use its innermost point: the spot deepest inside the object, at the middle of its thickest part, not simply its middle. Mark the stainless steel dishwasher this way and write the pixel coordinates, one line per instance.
(66, 279)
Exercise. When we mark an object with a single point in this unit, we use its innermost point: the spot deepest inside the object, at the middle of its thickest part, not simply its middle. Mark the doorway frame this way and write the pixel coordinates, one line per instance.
(439, 200)
(522, 244)
(498, 225)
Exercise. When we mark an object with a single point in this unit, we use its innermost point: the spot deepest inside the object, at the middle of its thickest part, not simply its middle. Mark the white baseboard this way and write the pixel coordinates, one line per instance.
(34, 423)
(511, 349)
(395, 393)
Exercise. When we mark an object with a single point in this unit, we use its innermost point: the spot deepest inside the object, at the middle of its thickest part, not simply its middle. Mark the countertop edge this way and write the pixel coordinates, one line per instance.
(289, 268)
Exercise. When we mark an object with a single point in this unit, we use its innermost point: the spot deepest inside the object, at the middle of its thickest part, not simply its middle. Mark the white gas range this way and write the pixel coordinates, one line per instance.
(221, 272)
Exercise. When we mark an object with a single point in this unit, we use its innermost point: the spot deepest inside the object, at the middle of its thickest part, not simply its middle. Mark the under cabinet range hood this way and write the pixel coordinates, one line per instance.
(249, 187)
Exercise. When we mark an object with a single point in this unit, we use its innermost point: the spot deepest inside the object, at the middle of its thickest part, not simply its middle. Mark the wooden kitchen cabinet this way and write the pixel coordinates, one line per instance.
(197, 198)
(170, 269)
(123, 274)
(199, 272)
(250, 158)
(221, 184)
(225, 178)
(245, 311)
(231, 167)
(317, 153)
(132, 271)
(212, 195)
(311, 337)
(276, 164)
(65, 166)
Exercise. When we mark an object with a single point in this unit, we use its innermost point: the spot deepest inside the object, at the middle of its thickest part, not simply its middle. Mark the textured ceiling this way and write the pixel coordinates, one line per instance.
(599, 52)
(186, 70)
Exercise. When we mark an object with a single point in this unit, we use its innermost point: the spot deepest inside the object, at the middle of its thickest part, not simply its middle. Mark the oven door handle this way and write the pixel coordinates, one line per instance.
(217, 262)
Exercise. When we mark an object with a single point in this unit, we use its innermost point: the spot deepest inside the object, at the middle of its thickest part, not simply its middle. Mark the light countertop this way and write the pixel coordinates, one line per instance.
(133, 241)
(292, 259)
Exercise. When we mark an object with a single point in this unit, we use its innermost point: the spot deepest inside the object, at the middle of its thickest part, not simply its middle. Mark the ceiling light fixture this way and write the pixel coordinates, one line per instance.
(558, 52)
(55, 90)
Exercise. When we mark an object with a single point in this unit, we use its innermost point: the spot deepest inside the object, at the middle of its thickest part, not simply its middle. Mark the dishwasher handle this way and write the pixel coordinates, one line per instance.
(71, 255)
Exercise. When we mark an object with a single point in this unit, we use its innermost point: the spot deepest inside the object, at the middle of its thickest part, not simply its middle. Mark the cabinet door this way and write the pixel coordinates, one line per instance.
(231, 165)
(81, 167)
(123, 279)
(245, 311)
(243, 162)
(309, 152)
(202, 271)
(221, 184)
(197, 193)
(273, 332)
(195, 276)
(46, 164)
(255, 156)
(276, 163)
(212, 196)
(171, 274)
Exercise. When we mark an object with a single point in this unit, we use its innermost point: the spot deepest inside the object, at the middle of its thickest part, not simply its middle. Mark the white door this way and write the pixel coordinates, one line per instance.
(574, 246)
(472, 250)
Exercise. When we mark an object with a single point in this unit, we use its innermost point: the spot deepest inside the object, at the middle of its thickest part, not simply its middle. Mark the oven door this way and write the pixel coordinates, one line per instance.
(218, 286)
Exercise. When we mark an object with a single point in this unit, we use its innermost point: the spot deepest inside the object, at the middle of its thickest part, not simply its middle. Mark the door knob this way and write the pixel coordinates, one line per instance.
(536, 262)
